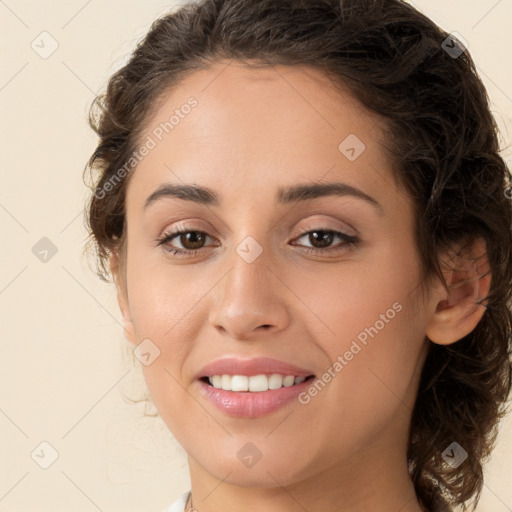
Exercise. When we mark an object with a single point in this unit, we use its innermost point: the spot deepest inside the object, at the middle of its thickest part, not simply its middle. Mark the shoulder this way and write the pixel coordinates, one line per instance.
(179, 504)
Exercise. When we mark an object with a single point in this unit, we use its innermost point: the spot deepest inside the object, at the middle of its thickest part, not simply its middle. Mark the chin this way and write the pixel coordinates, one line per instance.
(266, 473)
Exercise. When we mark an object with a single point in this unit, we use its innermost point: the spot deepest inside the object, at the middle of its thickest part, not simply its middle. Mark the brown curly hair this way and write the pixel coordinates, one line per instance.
(444, 140)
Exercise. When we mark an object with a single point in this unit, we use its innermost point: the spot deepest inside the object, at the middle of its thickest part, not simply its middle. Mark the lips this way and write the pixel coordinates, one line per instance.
(261, 398)
(247, 405)
(251, 367)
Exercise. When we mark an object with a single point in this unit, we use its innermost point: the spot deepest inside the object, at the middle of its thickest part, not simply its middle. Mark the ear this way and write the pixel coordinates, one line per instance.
(457, 310)
(122, 297)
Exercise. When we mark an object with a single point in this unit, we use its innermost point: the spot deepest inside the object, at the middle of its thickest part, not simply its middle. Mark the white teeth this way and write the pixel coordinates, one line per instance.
(226, 382)
(254, 383)
(240, 383)
(289, 380)
(275, 381)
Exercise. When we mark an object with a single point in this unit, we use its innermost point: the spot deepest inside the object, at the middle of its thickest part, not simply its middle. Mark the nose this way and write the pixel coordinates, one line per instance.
(249, 301)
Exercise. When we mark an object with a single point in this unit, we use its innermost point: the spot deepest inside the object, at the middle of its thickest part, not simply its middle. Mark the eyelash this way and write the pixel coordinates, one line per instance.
(349, 242)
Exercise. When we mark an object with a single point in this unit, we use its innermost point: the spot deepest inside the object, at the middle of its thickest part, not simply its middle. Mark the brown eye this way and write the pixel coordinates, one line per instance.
(192, 240)
(323, 240)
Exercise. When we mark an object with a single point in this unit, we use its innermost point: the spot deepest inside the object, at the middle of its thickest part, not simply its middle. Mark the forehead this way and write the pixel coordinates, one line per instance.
(253, 127)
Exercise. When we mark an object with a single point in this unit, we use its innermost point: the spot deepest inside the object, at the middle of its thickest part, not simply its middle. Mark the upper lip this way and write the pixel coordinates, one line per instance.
(253, 366)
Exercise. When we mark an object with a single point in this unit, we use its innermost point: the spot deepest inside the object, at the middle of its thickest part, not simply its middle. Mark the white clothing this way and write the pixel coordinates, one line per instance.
(179, 504)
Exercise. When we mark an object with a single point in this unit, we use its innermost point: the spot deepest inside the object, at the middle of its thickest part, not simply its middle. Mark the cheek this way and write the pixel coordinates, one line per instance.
(175, 405)
(167, 307)
(163, 298)
(356, 299)
(365, 321)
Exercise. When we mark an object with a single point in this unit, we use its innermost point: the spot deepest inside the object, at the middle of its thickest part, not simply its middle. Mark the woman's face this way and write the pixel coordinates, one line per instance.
(259, 284)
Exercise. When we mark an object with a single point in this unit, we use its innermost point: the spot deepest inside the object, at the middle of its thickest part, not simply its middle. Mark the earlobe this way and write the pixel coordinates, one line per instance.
(457, 310)
(122, 298)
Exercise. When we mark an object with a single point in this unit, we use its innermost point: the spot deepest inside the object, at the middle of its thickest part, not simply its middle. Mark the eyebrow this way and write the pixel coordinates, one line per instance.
(204, 195)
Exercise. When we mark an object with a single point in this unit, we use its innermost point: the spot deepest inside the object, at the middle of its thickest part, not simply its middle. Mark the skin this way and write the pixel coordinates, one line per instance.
(252, 132)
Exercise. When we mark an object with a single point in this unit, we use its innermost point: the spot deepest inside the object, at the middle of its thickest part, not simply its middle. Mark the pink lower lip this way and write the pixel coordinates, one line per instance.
(252, 405)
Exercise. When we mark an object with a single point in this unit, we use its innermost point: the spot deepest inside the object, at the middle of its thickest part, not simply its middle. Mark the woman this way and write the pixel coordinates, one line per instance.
(306, 215)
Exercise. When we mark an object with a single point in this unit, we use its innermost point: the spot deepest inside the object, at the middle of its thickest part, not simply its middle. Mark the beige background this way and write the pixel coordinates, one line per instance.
(63, 368)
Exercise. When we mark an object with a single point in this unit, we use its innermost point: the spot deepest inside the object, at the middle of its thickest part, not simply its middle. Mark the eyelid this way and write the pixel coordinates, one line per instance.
(191, 224)
(336, 219)
(322, 225)
(315, 226)
(315, 222)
